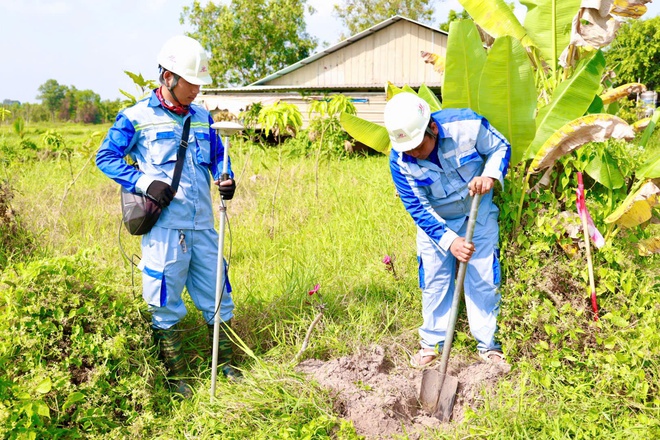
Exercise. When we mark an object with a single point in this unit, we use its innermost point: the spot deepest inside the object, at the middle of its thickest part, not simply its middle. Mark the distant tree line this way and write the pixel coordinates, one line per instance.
(63, 104)
(250, 39)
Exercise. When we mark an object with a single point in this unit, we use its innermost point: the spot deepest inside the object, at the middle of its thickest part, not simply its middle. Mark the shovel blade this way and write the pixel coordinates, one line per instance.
(430, 389)
(446, 398)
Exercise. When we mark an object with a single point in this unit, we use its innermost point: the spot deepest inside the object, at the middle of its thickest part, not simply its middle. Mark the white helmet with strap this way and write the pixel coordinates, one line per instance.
(187, 58)
(406, 118)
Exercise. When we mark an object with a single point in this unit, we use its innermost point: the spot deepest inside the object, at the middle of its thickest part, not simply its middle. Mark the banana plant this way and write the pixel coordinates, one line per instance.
(548, 23)
(519, 85)
(589, 128)
(570, 100)
(498, 20)
(637, 208)
(622, 91)
(464, 65)
(280, 118)
(505, 88)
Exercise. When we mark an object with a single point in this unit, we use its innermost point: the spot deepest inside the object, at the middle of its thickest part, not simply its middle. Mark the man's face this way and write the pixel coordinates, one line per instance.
(423, 150)
(186, 92)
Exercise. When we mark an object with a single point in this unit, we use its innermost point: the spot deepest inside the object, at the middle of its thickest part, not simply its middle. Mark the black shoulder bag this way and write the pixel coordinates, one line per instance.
(139, 211)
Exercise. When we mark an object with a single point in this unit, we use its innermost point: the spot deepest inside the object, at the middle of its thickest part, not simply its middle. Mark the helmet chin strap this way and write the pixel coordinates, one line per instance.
(430, 132)
(169, 88)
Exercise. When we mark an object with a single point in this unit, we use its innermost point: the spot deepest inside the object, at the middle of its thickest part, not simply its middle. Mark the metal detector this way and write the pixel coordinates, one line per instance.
(226, 129)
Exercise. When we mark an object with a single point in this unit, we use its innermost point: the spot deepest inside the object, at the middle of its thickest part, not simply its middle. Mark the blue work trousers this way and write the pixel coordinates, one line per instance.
(176, 258)
(437, 275)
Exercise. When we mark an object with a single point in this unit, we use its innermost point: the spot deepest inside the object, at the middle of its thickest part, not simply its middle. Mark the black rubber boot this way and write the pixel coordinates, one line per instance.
(169, 348)
(225, 351)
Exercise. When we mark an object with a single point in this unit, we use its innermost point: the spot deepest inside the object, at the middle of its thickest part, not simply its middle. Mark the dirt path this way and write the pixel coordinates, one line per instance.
(381, 398)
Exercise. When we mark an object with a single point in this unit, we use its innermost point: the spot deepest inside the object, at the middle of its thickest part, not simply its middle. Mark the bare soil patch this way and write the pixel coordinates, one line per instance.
(380, 393)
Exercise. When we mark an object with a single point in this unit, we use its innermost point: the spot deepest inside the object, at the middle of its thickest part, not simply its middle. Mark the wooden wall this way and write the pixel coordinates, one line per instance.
(390, 54)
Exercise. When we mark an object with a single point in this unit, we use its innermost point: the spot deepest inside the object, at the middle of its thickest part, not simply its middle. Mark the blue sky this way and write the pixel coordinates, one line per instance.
(90, 43)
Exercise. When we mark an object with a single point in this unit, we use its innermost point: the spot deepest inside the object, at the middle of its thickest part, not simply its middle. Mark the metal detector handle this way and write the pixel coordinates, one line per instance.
(458, 291)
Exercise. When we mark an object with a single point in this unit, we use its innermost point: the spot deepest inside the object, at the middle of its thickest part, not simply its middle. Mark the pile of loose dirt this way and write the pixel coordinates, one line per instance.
(381, 398)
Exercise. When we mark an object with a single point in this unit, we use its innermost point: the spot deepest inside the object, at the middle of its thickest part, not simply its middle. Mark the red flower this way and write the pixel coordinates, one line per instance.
(314, 290)
(389, 264)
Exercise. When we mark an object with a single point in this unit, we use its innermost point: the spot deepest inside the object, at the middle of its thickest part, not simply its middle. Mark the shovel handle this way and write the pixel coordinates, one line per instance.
(458, 290)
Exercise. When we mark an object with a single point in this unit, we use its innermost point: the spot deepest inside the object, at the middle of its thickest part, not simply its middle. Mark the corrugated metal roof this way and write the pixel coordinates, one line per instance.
(344, 43)
(261, 86)
(294, 88)
(261, 83)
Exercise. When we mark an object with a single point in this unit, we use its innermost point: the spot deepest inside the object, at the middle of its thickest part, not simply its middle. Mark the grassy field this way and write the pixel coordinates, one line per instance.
(77, 360)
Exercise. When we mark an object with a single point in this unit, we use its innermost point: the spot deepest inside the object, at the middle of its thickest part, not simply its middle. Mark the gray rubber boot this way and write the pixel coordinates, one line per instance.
(225, 351)
(169, 344)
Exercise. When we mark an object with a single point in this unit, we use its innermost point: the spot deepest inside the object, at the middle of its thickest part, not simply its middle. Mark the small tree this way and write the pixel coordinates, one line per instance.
(279, 118)
(325, 128)
(52, 94)
(358, 15)
(635, 53)
(249, 39)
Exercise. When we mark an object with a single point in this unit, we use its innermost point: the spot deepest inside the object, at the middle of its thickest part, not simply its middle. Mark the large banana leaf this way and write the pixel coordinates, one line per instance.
(638, 206)
(622, 92)
(548, 23)
(605, 170)
(569, 101)
(465, 60)
(427, 95)
(649, 129)
(391, 90)
(370, 134)
(507, 95)
(651, 169)
(424, 92)
(497, 18)
(641, 125)
(629, 8)
(589, 128)
(597, 106)
(436, 60)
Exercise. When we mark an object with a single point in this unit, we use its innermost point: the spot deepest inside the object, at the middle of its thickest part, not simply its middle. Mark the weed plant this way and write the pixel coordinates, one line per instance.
(77, 361)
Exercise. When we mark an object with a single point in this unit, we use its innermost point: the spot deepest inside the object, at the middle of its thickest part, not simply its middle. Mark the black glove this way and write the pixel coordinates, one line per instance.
(227, 192)
(161, 192)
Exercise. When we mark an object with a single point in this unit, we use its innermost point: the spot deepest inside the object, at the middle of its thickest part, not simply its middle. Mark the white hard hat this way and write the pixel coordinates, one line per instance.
(187, 58)
(406, 118)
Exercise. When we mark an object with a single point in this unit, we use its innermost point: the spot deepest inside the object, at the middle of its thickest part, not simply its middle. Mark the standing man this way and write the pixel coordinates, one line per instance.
(438, 162)
(181, 250)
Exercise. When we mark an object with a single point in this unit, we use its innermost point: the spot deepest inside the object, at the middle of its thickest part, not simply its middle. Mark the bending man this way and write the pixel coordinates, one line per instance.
(438, 161)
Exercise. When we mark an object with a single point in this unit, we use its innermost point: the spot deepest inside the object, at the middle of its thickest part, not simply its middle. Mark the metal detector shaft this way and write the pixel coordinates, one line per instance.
(458, 291)
(220, 275)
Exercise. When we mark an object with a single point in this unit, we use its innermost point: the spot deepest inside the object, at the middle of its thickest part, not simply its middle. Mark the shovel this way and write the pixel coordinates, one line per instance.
(438, 390)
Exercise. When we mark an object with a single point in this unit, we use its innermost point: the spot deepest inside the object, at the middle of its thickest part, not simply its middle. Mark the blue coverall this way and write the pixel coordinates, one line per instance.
(435, 193)
(182, 248)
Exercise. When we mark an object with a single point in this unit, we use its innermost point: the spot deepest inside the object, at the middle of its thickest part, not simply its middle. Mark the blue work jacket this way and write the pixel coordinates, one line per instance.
(437, 197)
(150, 135)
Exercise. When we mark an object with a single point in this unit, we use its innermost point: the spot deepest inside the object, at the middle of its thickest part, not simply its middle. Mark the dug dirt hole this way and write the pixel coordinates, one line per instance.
(379, 393)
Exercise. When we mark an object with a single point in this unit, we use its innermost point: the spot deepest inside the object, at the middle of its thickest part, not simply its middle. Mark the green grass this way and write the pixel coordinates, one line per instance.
(77, 358)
